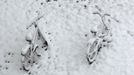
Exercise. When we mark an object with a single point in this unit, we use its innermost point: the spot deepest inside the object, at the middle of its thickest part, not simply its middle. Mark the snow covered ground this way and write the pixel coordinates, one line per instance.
(66, 25)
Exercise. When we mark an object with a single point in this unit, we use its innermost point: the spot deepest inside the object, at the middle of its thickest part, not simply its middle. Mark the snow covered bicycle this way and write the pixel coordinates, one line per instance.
(102, 38)
(29, 53)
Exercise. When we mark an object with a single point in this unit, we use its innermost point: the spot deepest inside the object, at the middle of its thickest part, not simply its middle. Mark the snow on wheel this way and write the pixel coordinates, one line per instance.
(25, 50)
(93, 51)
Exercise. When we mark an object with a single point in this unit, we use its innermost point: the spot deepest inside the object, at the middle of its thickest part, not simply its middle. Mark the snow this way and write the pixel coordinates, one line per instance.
(66, 26)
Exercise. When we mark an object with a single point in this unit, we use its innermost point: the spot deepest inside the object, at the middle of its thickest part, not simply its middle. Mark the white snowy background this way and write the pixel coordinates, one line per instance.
(66, 25)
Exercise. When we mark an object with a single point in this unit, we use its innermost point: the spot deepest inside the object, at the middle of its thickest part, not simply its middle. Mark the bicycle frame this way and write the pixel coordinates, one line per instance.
(30, 51)
(98, 43)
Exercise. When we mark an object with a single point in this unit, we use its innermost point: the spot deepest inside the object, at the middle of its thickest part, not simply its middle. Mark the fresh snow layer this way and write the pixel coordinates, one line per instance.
(66, 25)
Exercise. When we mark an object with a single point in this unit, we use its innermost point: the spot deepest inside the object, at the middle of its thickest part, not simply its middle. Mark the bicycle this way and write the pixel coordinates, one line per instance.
(29, 52)
(100, 41)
